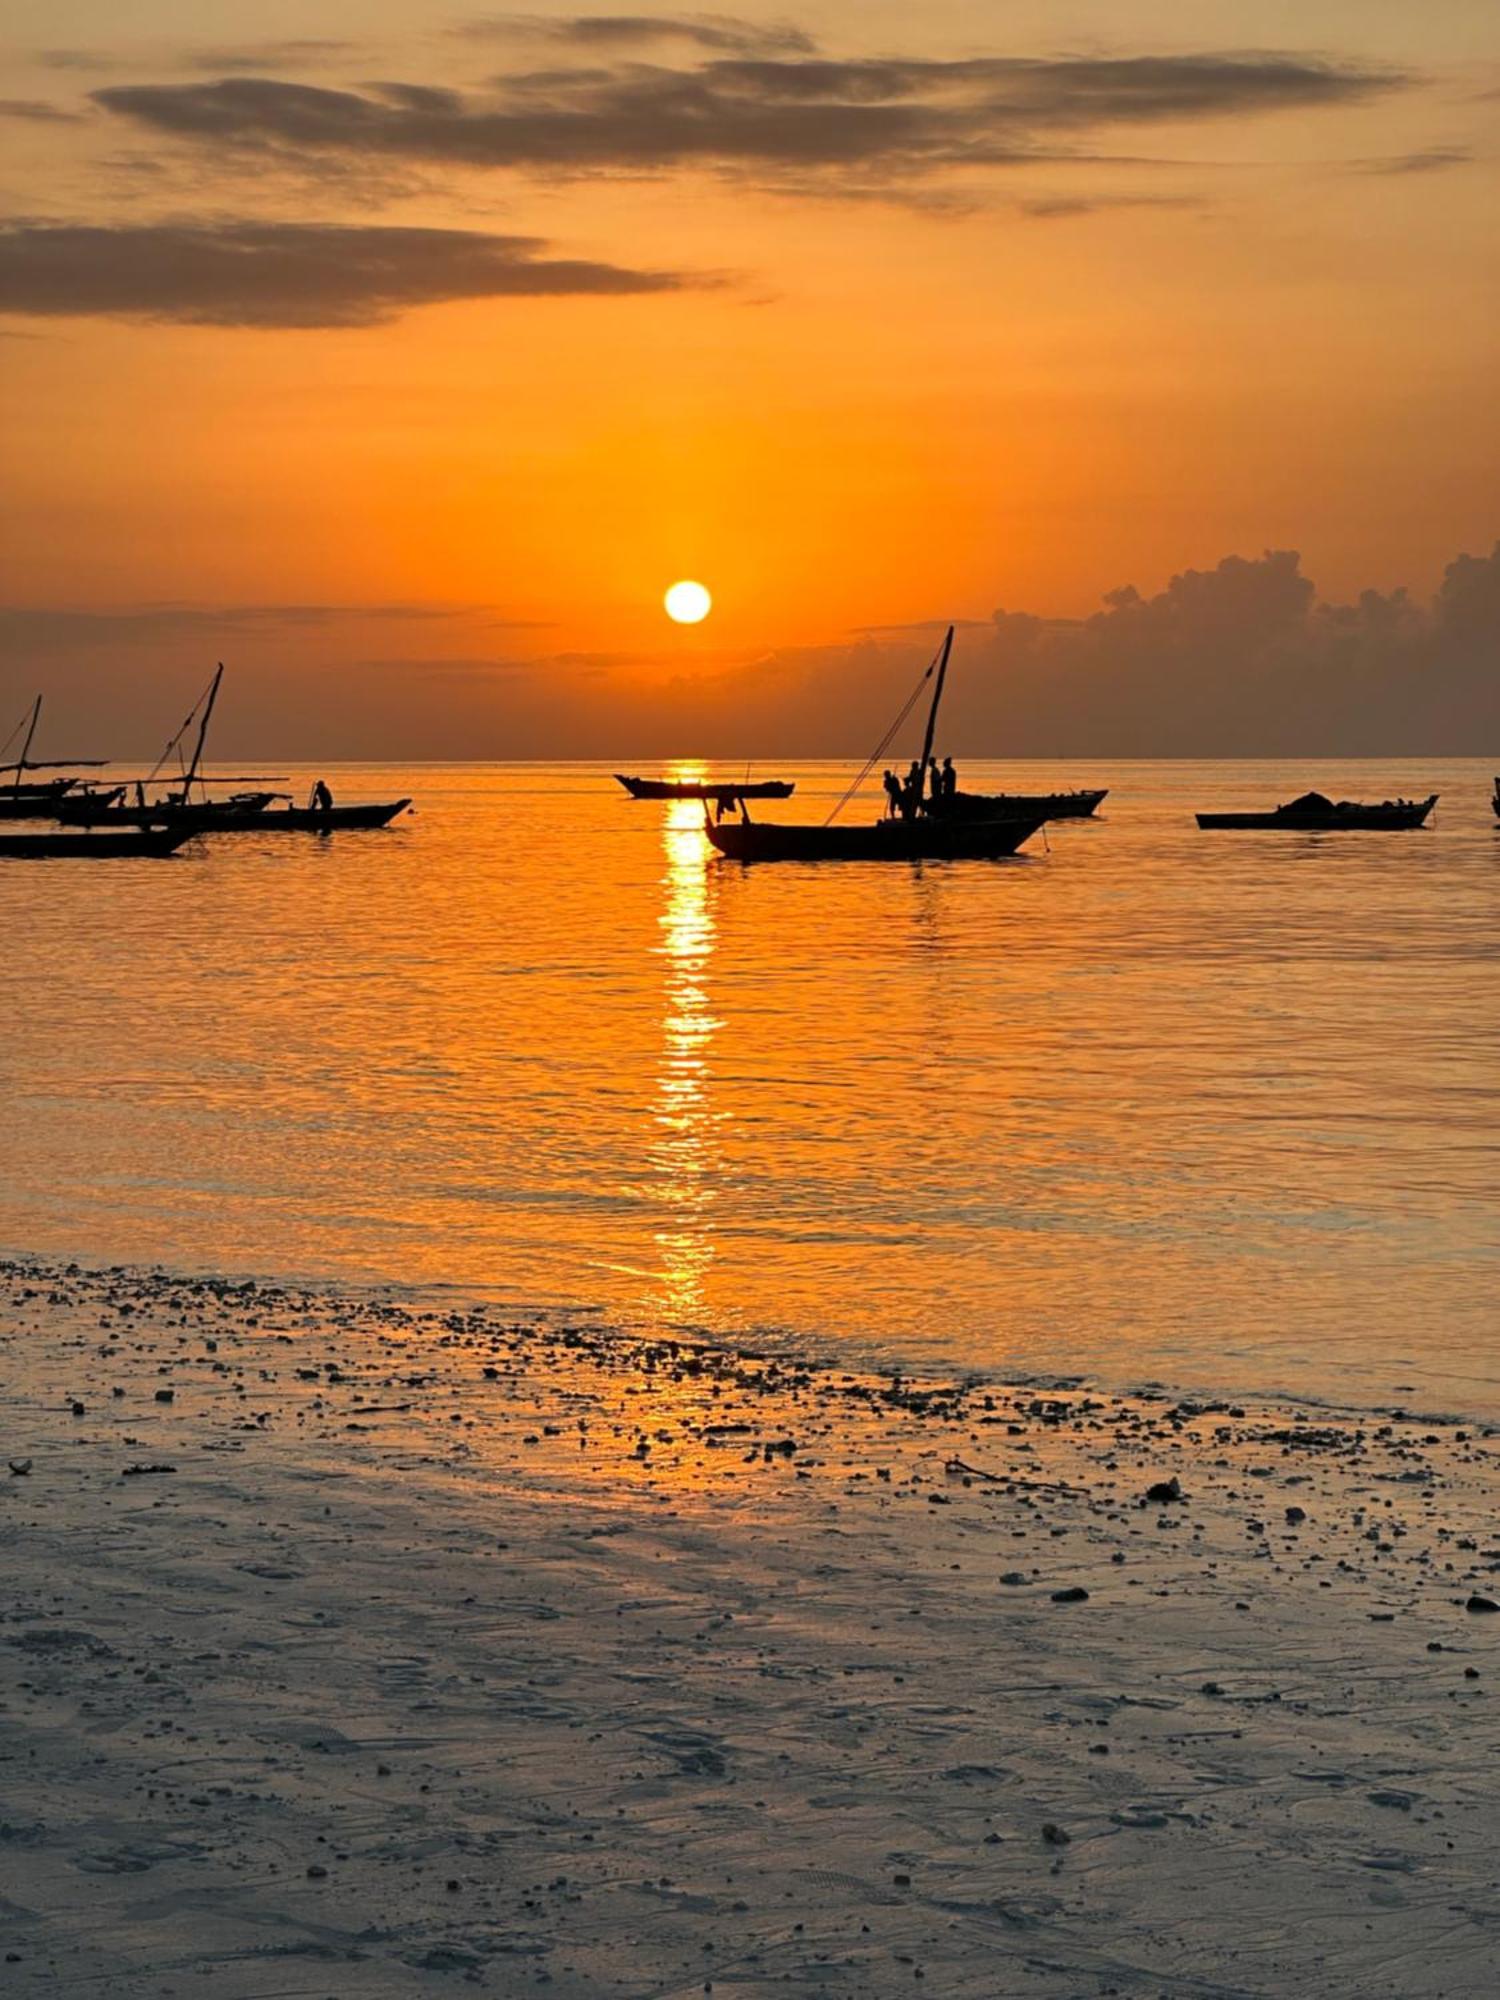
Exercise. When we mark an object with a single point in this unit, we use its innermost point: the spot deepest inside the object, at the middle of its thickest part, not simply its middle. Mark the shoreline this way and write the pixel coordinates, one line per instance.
(828, 1355)
(358, 1649)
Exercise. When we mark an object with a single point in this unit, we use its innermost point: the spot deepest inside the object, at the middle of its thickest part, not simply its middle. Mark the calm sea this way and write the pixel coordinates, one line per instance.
(1214, 1109)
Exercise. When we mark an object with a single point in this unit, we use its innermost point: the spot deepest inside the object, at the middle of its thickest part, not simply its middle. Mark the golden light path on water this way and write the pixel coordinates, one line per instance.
(683, 1113)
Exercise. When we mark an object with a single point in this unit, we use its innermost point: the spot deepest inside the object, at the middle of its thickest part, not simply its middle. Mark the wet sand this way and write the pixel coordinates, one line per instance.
(354, 1650)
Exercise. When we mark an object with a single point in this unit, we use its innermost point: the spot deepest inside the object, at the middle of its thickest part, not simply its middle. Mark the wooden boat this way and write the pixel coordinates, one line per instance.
(881, 840)
(137, 844)
(1019, 805)
(921, 837)
(242, 812)
(1313, 813)
(693, 788)
(231, 816)
(34, 798)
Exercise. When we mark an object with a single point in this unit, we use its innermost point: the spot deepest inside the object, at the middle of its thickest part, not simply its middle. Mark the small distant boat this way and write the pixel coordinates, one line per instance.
(693, 788)
(138, 844)
(922, 836)
(1313, 813)
(1020, 805)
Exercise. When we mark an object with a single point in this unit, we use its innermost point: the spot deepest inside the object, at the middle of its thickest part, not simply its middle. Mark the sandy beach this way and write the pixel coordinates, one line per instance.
(352, 1650)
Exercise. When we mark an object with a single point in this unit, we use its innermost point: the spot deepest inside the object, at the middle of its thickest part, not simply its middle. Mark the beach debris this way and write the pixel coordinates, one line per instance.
(1480, 1603)
(1075, 1594)
(19, 1467)
(143, 1471)
(1015, 1577)
(1054, 1835)
(1163, 1493)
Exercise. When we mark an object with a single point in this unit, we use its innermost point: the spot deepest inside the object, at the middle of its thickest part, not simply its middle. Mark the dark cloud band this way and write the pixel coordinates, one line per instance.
(269, 274)
(746, 113)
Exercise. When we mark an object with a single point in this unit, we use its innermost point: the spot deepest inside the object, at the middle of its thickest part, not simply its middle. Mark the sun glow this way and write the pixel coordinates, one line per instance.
(688, 603)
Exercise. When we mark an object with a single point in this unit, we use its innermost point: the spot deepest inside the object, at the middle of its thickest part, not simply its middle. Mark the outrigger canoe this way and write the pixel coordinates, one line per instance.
(1313, 813)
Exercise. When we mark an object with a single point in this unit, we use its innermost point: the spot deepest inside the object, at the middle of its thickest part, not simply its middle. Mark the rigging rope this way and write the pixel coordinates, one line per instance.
(885, 742)
(174, 741)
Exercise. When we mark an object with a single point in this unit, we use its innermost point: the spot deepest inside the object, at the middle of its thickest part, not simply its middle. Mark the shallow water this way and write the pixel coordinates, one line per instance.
(1213, 1108)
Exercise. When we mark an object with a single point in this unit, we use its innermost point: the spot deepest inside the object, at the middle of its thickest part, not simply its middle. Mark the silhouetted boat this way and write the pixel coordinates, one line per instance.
(230, 815)
(921, 836)
(1020, 805)
(882, 840)
(1313, 813)
(34, 798)
(693, 788)
(138, 843)
(242, 812)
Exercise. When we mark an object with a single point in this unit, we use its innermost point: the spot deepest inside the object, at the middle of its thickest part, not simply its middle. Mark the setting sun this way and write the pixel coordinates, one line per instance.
(688, 603)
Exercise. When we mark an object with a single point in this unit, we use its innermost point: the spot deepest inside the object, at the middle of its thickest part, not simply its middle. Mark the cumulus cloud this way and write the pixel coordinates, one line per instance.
(282, 274)
(748, 114)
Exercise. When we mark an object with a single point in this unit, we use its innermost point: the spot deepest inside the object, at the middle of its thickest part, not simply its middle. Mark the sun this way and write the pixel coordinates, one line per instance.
(688, 603)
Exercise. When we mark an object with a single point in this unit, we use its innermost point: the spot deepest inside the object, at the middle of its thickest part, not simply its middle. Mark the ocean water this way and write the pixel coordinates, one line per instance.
(1212, 1109)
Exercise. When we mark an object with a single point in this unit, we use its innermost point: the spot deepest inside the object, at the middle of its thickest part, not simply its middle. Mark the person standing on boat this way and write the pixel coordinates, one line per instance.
(949, 779)
(322, 798)
(911, 791)
(892, 786)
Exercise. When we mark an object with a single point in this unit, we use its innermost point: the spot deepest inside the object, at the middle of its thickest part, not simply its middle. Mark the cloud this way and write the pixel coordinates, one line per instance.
(269, 274)
(747, 115)
(36, 109)
(54, 626)
(1431, 160)
(1063, 207)
(1240, 659)
(297, 53)
(726, 32)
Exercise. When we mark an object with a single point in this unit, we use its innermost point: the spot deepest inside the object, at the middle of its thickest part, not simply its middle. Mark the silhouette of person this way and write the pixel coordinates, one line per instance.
(949, 778)
(892, 786)
(322, 798)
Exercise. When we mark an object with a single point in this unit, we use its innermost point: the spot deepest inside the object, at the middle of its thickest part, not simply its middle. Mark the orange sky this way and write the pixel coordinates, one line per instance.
(1076, 327)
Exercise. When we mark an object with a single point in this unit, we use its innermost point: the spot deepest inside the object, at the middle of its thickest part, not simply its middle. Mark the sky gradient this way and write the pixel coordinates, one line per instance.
(403, 361)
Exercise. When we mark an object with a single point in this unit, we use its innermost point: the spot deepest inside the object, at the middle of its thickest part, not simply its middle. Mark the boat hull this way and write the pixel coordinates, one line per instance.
(885, 840)
(1018, 805)
(233, 819)
(134, 844)
(1392, 815)
(692, 788)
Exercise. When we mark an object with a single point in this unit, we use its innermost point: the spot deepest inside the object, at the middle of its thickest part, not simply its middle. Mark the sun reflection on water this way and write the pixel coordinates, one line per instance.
(682, 1150)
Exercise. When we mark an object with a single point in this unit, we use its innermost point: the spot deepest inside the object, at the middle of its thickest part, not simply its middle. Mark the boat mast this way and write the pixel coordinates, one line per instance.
(937, 695)
(208, 709)
(36, 716)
